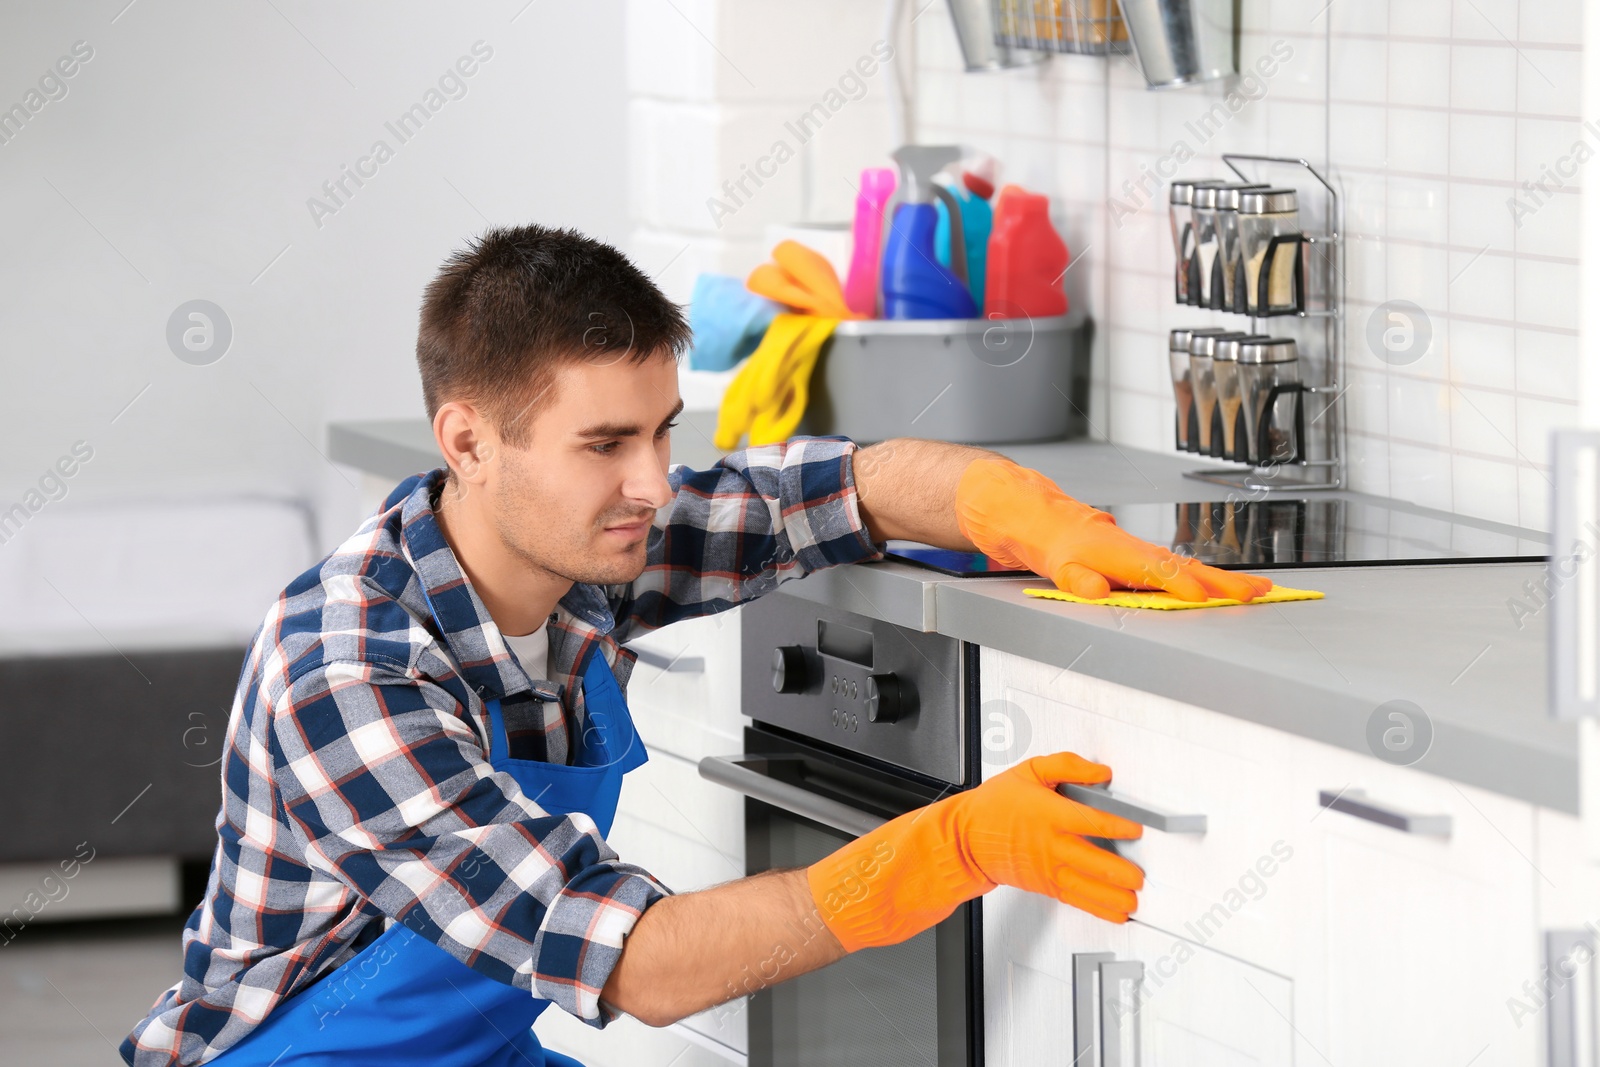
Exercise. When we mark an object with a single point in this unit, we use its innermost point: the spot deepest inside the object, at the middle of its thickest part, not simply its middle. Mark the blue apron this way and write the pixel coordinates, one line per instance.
(404, 1000)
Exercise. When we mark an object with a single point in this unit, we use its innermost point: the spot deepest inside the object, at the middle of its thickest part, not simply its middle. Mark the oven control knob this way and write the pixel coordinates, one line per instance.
(887, 697)
(788, 669)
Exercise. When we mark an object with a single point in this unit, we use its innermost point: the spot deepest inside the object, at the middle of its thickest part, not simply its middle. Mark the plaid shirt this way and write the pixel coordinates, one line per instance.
(356, 785)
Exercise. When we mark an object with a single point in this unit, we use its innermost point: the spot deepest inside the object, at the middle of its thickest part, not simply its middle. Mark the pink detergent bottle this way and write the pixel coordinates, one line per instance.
(1027, 259)
(861, 284)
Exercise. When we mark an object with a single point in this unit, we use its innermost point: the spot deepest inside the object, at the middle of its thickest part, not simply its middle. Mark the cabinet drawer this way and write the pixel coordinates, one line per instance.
(1191, 1006)
(1421, 936)
(684, 691)
(1228, 888)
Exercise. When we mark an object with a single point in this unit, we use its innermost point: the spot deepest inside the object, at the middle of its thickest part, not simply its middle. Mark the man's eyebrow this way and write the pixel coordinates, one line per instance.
(605, 430)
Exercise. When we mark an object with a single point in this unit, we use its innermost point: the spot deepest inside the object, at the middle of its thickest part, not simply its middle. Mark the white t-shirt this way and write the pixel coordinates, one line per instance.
(533, 651)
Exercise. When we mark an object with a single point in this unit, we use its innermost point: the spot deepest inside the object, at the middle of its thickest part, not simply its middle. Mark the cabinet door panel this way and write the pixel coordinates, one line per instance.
(684, 692)
(1423, 937)
(1226, 888)
(1194, 1007)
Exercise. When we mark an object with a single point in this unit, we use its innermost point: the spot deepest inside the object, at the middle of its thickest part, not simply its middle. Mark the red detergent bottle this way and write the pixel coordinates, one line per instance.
(1027, 259)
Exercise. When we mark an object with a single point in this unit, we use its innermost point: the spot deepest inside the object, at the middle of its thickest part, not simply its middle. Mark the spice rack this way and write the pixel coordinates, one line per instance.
(1320, 311)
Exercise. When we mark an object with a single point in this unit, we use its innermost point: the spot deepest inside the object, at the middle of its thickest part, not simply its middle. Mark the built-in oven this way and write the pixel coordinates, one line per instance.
(856, 721)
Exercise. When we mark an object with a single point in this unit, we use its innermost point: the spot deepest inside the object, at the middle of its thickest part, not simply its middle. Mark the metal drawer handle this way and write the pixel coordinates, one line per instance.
(1102, 799)
(1355, 802)
(1112, 1009)
(1570, 1042)
(674, 664)
(732, 772)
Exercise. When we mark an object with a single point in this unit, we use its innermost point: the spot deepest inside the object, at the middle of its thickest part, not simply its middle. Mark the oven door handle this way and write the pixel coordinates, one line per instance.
(734, 772)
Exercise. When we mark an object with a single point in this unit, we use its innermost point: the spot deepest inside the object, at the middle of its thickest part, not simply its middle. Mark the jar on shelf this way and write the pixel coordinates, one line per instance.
(1202, 374)
(1271, 247)
(1183, 383)
(1230, 260)
(1180, 209)
(1229, 422)
(1271, 389)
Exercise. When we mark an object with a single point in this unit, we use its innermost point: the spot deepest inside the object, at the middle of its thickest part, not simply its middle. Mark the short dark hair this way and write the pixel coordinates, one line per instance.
(502, 313)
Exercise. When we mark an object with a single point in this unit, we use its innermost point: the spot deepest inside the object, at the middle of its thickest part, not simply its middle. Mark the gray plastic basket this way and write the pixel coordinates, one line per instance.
(974, 381)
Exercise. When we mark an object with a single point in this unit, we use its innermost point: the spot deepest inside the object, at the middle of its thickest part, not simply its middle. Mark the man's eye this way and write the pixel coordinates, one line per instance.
(605, 449)
(665, 429)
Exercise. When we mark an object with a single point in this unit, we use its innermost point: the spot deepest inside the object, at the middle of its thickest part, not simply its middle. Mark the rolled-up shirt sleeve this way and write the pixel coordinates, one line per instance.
(738, 529)
(387, 785)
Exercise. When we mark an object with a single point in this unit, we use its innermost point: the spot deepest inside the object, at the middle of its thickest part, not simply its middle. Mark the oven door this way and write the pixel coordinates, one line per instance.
(916, 1003)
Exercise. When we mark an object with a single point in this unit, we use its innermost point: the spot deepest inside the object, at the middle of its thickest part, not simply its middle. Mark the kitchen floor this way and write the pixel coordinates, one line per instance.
(69, 993)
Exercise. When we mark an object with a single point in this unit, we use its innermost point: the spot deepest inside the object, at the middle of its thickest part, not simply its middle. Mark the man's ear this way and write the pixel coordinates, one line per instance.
(466, 440)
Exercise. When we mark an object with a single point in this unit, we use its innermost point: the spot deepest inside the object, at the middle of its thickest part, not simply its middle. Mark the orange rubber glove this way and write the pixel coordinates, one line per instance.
(1020, 518)
(1015, 829)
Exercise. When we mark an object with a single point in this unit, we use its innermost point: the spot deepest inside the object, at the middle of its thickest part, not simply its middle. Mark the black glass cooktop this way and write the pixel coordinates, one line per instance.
(1295, 532)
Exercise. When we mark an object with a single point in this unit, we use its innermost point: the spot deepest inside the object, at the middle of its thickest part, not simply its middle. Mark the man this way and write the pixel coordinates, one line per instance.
(430, 733)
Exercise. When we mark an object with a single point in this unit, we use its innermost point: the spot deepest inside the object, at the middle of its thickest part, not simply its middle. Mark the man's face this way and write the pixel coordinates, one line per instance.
(579, 499)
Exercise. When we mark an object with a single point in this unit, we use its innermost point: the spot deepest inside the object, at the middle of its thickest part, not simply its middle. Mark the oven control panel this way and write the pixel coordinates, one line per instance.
(859, 683)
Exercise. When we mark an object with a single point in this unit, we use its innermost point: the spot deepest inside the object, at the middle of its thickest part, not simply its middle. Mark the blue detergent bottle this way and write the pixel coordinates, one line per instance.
(977, 219)
(915, 284)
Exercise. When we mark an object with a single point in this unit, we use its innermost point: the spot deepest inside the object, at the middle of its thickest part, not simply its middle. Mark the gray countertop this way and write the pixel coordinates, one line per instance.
(1441, 637)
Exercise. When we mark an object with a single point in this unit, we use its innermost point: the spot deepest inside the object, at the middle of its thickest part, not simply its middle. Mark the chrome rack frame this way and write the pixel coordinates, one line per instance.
(1330, 309)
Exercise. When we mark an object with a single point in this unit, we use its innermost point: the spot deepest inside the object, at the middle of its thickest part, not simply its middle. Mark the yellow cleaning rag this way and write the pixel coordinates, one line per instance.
(1130, 598)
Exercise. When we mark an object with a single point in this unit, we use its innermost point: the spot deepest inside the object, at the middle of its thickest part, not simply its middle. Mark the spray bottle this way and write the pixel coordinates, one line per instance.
(915, 284)
(872, 202)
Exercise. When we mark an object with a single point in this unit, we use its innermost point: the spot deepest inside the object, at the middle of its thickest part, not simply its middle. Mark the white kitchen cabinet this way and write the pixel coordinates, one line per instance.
(1190, 1005)
(1390, 946)
(684, 691)
(1228, 888)
(1421, 937)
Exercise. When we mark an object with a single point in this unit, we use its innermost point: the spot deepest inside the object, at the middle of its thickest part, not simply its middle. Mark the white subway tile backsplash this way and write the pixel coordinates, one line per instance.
(1421, 275)
(1483, 146)
(1358, 70)
(1428, 114)
(1420, 18)
(1418, 142)
(1420, 475)
(1546, 364)
(1357, 134)
(1536, 420)
(1547, 293)
(1483, 78)
(1482, 486)
(1533, 496)
(1549, 82)
(1545, 152)
(1419, 411)
(1419, 73)
(1483, 423)
(1369, 18)
(1483, 355)
(1551, 22)
(1479, 219)
(1491, 20)
(1418, 209)
(1545, 230)
(1482, 285)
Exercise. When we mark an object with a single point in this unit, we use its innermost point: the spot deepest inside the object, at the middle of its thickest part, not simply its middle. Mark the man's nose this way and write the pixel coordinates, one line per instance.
(647, 480)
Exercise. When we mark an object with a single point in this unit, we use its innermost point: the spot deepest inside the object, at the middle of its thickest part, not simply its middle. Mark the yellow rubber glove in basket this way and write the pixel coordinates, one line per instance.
(769, 394)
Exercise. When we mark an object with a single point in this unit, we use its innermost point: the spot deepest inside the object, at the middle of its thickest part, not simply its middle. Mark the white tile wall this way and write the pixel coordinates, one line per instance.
(1430, 115)
(714, 87)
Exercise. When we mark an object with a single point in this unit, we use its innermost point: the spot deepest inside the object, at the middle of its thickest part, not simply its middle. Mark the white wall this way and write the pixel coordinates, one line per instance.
(179, 165)
(1431, 114)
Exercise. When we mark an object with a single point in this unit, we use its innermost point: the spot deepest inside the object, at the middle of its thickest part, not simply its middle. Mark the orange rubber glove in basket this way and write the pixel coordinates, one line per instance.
(1015, 829)
(1019, 518)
